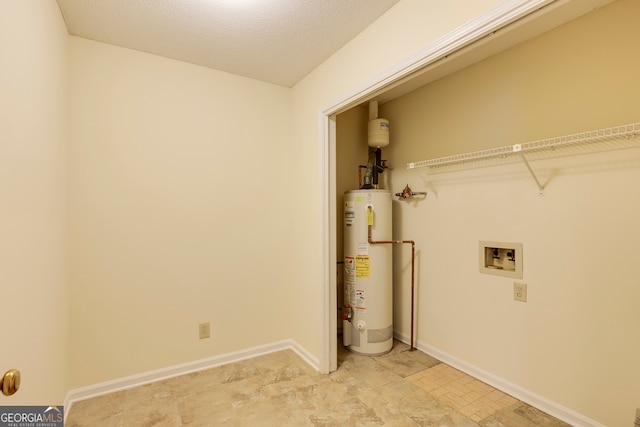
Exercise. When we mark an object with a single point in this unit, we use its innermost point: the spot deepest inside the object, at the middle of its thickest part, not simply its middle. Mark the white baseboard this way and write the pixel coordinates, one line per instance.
(550, 407)
(94, 390)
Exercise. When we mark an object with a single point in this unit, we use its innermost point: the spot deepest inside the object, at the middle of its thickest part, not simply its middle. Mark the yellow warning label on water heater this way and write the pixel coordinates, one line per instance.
(369, 215)
(363, 266)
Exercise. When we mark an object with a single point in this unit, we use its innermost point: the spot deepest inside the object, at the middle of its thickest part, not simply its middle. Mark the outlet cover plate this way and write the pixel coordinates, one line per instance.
(520, 292)
(204, 330)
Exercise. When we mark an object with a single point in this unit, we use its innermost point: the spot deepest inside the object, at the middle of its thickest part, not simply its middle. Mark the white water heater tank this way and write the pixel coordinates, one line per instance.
(368, 272)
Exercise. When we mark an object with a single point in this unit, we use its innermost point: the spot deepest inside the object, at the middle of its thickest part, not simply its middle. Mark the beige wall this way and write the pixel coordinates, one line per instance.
(575, 340)
(179, 214)
(33, 194)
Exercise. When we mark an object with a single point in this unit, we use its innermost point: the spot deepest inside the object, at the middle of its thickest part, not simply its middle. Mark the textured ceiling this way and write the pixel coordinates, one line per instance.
(277, 41)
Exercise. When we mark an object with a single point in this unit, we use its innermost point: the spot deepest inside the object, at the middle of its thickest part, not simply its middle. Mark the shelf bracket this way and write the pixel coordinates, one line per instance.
(517, 148)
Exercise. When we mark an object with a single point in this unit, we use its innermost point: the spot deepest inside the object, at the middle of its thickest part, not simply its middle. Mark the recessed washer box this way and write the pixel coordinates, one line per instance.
(501, 259)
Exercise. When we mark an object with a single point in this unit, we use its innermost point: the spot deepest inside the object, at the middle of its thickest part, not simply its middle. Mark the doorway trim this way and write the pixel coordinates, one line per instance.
(492, 20)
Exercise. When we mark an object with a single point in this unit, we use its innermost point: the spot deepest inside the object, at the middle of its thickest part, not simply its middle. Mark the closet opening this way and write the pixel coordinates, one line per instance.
(498, 29)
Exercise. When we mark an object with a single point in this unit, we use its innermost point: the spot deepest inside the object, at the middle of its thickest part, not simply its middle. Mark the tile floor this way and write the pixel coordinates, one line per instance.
(401, 388)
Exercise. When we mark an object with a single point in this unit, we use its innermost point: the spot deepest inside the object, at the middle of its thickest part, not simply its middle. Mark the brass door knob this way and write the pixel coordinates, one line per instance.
(10, 382)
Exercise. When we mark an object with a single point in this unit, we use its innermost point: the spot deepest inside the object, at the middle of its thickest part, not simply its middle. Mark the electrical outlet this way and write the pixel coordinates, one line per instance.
(520, 292)
(204, 330)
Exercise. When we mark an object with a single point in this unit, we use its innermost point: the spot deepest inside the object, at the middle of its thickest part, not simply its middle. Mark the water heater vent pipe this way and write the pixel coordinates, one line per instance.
(373, 109)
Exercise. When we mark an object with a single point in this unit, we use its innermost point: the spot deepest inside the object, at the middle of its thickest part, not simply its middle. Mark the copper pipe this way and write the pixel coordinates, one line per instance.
(413, 256)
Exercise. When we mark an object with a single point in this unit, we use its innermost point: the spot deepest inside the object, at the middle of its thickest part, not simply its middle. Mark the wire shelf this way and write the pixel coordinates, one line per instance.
(599, 135)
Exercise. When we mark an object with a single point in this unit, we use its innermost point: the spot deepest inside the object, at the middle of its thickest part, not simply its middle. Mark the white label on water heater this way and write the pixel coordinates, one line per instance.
(359, 300)
(362, 248)
(349, 272)
(349, 263)
(349, 216)
(349, 213)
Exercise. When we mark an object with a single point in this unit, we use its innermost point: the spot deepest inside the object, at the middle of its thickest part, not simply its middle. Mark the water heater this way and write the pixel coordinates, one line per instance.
(368, 272)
